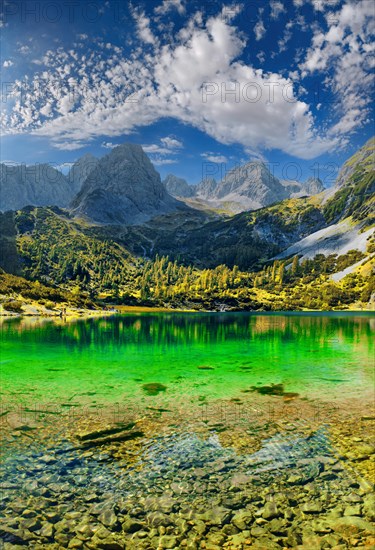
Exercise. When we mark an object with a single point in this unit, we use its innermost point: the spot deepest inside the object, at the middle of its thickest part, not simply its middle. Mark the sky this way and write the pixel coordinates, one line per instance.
(202, 86)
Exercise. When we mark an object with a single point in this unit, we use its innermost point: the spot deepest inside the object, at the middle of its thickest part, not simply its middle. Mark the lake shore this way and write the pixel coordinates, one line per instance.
(82, 313)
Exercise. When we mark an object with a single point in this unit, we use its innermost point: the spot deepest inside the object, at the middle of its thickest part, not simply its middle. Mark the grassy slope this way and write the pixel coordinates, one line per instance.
(356, 197)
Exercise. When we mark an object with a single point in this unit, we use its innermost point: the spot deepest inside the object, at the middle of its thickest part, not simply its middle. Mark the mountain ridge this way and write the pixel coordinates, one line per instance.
(246, 187)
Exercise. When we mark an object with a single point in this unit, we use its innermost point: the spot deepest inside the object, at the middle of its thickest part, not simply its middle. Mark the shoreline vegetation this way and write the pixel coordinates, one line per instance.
(164, 286)
(68, 313)
(81, 313)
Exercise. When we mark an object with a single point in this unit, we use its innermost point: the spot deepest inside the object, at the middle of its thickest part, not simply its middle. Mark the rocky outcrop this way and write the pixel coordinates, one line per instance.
(37, 185)
(251, 185)
(206, 188)
(178, 187)
(80, 171)
(123, 188)
(313, 186)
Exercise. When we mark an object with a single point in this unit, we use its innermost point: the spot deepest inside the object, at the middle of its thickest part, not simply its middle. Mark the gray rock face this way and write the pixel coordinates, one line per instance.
(313, 186)
(37, 185)
(293, 187)
(80, 171)
(253, 185)
(206, 188)
(123, 188)
(178, 187)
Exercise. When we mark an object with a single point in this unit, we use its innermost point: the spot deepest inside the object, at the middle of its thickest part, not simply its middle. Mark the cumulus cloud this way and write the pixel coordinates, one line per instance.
(171, 142)
(143, 27)
(160, 161)
(68, 146)
(170, 5)
(108, 145)
(277, 8)
(198, 78)
(212, 157)
(155, 148)
(159, 153)
(24, 49)
(343, 52)
(7, 63)
(259, 30)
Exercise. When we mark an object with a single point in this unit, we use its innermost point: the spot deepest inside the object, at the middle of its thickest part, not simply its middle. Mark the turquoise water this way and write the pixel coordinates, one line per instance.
(194, 355)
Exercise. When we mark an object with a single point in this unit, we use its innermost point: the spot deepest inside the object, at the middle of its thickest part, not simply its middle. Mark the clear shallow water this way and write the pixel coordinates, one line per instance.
(177, 465)
(109, 360)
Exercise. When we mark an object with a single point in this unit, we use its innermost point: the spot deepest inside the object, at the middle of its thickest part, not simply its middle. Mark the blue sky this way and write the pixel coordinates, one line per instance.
(201, 88)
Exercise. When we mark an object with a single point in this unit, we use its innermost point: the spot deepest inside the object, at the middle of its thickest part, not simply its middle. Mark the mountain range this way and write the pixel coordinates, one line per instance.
(248, 187)
(123, 187)
(123, 220)
(42, 184)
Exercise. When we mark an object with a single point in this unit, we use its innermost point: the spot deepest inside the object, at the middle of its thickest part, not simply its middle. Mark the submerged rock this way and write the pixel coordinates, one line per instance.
(274, 389)
(154, 388)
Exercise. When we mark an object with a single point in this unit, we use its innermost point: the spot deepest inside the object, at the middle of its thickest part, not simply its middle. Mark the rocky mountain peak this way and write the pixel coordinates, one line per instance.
(313, 186)
(124, 187)
(178, 187)
(206, 188)
(80, 170)
(252, 184)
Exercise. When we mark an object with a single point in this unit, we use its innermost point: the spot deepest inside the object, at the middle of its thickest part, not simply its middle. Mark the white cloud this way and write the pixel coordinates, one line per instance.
(108, 145)
(68, 146)
(344, 51)
(324, 5)
(190, 78)
(259, 30)
(143, 27)
(7, 63)
(171, 143)
(11, 163)
(154, 148)
(24, 49)
(212, 157)
(46, 110)
(277, 8)
(65, 104)
(168, 146)
(159, 161)
(261, 56)
(169, 5)
(286, 36)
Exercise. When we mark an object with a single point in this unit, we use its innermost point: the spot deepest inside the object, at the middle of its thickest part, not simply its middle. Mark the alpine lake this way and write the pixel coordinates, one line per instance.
(188, 430)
